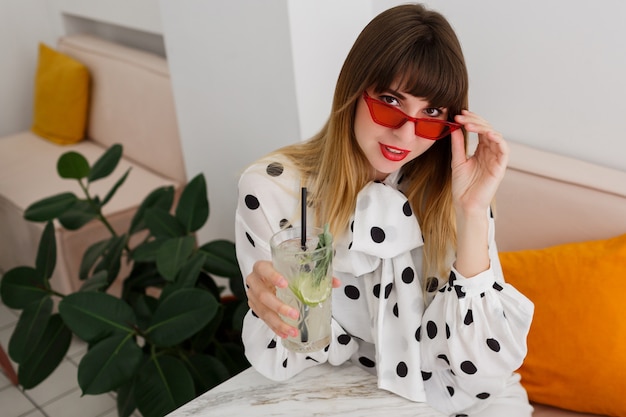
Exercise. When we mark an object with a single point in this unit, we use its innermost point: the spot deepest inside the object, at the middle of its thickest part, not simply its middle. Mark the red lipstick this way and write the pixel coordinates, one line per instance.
(392, 153)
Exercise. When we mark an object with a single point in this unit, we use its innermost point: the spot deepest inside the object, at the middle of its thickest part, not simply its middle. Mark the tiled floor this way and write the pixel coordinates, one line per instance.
(57, 396)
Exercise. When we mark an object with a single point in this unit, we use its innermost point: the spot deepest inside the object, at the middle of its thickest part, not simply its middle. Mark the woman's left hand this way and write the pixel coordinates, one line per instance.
(475, 179)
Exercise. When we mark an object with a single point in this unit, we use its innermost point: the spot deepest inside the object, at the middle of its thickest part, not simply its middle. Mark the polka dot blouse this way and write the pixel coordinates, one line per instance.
(452, 343)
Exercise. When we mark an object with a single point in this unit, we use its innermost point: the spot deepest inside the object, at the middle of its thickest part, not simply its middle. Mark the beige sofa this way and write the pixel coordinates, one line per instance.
(547, 199)
(131, 103)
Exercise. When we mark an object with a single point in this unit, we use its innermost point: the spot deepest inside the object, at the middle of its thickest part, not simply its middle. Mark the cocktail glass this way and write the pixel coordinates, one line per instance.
(307, 267)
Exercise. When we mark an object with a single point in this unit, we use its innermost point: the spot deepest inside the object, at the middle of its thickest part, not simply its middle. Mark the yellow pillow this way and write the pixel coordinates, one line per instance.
(61, 97)
(577, 342)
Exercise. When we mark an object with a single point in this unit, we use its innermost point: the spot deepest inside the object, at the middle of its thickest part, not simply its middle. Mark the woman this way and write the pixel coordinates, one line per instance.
(421, 302)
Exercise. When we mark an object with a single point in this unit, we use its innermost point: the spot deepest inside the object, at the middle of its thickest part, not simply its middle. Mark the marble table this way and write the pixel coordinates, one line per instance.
(322, 390)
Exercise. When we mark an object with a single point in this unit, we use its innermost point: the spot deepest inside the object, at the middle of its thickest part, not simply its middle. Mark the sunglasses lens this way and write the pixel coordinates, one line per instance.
(386, 115)
(431, 129)
(393, 117)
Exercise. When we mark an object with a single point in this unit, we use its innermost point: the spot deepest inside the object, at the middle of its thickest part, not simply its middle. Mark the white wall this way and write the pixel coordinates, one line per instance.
(250, 77)
(141, 15)
(551, 74)
(232, 71)
(23, 24)
(322, 33)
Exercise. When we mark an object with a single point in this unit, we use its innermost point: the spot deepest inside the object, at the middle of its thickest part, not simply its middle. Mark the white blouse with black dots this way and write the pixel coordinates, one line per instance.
(455, 350)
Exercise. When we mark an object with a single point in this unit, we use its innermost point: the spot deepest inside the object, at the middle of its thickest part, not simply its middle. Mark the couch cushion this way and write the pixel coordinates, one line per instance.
(61, 97)
(547, 411)
(131, 102)
(577, 342)
(547, 199)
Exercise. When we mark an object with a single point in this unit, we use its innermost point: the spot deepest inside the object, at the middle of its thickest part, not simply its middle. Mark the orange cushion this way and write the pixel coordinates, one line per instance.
(577, 342)
(61, 97)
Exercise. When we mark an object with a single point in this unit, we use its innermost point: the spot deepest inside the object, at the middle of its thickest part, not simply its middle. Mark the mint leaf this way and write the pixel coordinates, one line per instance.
(324, 242)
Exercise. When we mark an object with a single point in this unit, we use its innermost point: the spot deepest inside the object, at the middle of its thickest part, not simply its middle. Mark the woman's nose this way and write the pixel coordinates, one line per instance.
(406, 131)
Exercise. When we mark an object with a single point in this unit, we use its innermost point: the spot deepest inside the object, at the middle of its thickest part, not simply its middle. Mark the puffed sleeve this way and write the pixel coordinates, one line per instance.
(268, 201)
(473, 337)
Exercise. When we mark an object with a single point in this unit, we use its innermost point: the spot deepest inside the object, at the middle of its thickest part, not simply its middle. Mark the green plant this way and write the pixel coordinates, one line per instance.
(155, 351)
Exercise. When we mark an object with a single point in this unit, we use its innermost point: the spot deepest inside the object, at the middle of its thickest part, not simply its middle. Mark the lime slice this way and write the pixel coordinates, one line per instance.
(310, 292)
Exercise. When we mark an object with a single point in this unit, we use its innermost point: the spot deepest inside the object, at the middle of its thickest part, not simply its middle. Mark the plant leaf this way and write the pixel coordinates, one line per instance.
(112, 259)
(49, 208)
(29, 329)
(95, 315)
(233, 357)
(162, 197)
(117, 185)
(141, 276)
(108, 364)
(126, 399)
(181, 315)
(144, 308)
(97, 282)
(188, 275)
(21, 286)
(207, 371)
(72, 165)
(147, 252)
(173, 254)
(47, 355)
(237, 286)
(78, 214)
(205, 337)
(193, 207)
(106, 164)
(163, 384)
(162, 224)
(207, 282)
(191, 270)
(239, 314)
(91, 255)
(46, 252)
(221, 258)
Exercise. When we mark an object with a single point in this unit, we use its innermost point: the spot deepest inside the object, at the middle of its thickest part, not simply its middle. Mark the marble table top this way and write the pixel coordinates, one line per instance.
(322, 390)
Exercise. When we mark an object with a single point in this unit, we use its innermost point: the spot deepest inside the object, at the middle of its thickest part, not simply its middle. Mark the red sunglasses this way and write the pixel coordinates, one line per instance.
(390, 116)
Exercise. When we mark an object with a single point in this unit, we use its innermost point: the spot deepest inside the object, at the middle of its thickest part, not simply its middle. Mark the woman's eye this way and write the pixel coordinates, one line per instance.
(390, 100)
(433, 112)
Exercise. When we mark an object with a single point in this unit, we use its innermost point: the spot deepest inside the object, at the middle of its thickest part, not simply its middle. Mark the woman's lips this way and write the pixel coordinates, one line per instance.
(392, 153)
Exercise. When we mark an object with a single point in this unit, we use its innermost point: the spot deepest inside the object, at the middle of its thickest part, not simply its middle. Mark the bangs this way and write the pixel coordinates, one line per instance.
(425, 71)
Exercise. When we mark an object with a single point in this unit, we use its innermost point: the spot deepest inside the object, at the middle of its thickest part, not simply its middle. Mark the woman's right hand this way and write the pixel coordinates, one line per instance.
(262, 300)
(262, 283)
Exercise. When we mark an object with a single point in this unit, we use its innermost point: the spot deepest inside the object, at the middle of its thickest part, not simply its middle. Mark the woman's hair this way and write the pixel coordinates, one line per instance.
(414, 50)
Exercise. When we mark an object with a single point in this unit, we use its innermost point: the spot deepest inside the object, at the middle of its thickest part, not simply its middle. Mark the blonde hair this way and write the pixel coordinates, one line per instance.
(417, 50)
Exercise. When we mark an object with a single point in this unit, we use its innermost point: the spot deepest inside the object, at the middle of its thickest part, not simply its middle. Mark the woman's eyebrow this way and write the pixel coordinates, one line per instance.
(401, 96)
(396, 93)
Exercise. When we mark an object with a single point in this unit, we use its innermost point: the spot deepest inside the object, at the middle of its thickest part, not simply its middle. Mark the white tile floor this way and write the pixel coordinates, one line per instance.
(59, 395)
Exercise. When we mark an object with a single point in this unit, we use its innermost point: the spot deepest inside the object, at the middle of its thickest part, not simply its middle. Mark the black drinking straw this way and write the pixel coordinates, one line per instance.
(303, 219)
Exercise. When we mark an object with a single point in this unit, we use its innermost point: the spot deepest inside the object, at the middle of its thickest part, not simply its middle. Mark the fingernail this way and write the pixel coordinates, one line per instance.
(293, 332)
(282, 283)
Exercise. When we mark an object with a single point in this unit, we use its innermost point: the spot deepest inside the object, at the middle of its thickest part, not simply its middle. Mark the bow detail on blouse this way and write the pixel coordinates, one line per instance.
(380, 252)
(383, 226)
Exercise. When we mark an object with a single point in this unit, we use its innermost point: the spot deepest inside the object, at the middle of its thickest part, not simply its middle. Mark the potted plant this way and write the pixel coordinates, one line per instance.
(170, 336)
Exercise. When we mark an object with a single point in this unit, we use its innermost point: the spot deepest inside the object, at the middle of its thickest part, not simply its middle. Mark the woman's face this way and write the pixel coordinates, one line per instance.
(388, 149)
